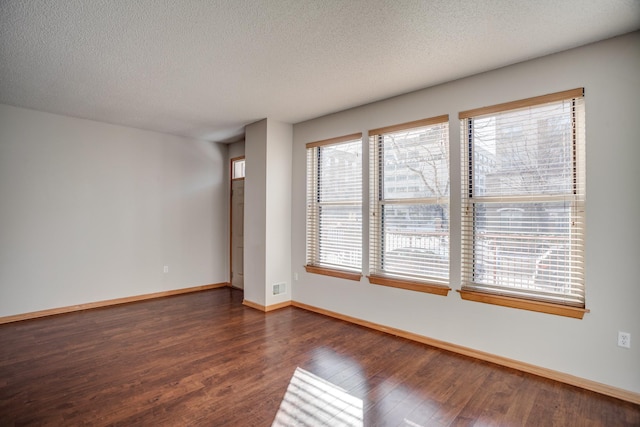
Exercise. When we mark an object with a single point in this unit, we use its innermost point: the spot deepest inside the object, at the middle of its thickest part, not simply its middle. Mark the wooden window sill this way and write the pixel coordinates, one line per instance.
(524, 304)
(349, 275)
(428, 288)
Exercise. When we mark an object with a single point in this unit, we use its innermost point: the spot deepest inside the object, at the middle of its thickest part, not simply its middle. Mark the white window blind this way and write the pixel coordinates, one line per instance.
(409, 197)
(334, 203)
(523, 199)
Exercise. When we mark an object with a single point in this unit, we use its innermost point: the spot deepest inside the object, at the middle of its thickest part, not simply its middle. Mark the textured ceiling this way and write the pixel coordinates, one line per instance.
(206, 68)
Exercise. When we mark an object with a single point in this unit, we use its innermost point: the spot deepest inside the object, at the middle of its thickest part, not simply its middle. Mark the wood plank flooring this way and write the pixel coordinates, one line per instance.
(204, 359)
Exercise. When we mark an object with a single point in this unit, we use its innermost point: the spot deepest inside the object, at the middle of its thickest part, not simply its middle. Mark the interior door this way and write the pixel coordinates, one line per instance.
(237, 233)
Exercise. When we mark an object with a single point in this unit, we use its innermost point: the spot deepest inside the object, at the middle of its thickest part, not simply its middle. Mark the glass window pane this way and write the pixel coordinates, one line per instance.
(238, 169)
(415, 240)
(523, 245)
(416, 163)
(340, 241)
(340, 172)
(524, 152)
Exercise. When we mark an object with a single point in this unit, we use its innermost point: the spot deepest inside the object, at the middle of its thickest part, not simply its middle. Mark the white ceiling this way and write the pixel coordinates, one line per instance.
(206, 68)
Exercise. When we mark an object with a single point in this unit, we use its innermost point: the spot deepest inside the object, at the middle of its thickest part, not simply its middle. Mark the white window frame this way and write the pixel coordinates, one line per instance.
(566, 300)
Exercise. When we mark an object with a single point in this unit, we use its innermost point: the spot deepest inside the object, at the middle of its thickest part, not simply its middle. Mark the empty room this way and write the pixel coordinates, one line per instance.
(305, 213)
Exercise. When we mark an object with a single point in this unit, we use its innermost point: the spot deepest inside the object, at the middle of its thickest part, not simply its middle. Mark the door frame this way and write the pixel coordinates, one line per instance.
(231, 180)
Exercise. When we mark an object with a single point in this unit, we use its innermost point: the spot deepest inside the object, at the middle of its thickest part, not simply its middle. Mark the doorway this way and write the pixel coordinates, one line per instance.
(237, 222)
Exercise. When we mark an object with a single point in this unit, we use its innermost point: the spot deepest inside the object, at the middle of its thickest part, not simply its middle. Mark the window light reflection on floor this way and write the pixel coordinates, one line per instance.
(313, 401)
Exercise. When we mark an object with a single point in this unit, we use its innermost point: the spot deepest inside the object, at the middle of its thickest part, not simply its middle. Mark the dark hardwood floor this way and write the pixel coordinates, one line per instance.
(204, 359)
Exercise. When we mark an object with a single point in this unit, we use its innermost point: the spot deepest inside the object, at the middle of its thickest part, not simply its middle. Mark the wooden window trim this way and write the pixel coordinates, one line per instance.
(529, 102)
(524, 304)
(342, 274)
(410, 125)
(429, 288)
(335, 140)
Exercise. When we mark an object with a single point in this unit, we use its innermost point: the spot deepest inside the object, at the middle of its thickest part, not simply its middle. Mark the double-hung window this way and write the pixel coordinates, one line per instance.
(523, 183)
(409, 212)
(334, 207)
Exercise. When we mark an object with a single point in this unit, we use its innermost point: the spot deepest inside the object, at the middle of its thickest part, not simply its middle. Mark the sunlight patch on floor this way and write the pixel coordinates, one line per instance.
(312, 401)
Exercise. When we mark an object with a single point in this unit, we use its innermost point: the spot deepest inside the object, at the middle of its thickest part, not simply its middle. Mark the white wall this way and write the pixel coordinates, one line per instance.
(278, 230)
(236, 149)
(255, 201)
(267, 214)
(610, 73)
(91, 211)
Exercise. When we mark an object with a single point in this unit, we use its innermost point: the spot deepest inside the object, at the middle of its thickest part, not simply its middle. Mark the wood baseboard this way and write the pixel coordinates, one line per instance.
(267, 308)
(597, 387)
(106, 303)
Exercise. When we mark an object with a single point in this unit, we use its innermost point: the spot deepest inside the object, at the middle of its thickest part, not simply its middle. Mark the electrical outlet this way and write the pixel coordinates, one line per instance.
(166, 269)
(624, 339)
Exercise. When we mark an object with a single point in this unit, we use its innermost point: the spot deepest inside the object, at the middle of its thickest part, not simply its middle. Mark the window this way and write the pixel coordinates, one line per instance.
(334, 207)
(409, 196)
(523, 204)
(237, 168)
